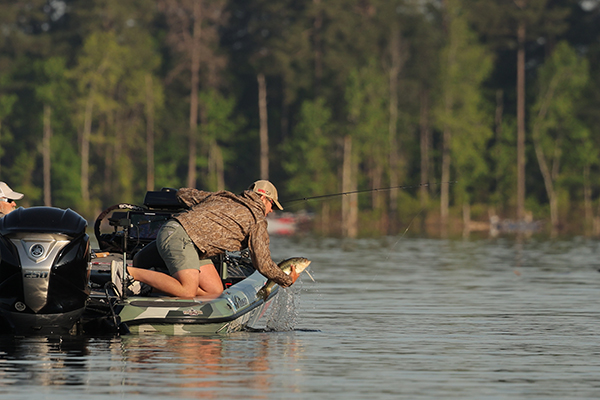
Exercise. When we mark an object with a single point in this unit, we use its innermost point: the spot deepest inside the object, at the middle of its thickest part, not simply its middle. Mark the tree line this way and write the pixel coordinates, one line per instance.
(463, 109)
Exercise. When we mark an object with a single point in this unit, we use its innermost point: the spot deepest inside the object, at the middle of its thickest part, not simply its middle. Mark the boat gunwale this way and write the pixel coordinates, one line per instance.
(197, 319)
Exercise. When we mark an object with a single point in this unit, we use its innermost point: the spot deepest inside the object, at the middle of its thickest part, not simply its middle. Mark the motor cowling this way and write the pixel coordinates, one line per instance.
(44, 270)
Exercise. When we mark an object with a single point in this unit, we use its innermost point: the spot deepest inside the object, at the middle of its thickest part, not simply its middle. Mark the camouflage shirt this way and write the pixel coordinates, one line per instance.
(222, 221)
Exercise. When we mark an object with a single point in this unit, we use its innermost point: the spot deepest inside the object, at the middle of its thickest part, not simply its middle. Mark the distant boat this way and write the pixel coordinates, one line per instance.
(287, 223)
(498, 226)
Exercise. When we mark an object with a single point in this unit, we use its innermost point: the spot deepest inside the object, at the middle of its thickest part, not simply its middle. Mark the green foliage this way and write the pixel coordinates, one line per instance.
(563, 142)
(461, 110)
(53, 86)
(218, 129)
(504, 174)
(6, 137)
(221, 123)
(7, 102)
(366, 95)
(22, 174)
(330, 67)
(66, 163)
(308, 155)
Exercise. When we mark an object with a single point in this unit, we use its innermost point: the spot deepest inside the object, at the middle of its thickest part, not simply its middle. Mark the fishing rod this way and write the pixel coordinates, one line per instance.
(324, 196)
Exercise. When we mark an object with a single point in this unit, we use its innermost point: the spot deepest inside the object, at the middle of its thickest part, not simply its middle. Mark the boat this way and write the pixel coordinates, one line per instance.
(52, 282)
(288, 223)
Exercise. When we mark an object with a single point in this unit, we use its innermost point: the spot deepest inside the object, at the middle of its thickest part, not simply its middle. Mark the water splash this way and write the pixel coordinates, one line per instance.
(283, 313)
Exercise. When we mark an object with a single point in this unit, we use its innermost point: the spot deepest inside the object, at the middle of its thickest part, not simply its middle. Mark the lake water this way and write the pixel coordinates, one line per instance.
(386, 319)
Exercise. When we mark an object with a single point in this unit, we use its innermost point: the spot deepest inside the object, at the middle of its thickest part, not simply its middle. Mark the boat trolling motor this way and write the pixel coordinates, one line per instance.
(44, 270)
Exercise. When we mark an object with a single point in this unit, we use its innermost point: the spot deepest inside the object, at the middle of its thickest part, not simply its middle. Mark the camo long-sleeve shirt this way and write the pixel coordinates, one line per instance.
(223, 221)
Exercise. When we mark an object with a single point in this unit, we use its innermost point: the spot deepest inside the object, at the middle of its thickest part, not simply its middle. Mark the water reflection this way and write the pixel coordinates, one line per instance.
(42, 361)
(386, 319)
(156, 365)
(198, 366)
(207, 367)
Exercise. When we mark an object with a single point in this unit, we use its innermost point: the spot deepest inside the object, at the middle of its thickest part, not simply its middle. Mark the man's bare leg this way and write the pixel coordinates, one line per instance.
(187, 283)
(210, 283)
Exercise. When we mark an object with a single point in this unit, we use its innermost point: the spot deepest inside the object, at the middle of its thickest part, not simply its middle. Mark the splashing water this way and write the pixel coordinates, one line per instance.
(283, 314)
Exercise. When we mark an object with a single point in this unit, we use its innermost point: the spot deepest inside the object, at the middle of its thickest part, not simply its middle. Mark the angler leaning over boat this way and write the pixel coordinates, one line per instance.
(213, 223)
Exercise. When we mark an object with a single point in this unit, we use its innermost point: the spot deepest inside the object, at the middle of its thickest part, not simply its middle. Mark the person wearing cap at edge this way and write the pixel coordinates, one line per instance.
(7, 199)
(214, 222)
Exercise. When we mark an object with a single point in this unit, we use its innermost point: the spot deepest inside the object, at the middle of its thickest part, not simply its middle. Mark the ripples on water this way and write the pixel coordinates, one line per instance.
(388, 318)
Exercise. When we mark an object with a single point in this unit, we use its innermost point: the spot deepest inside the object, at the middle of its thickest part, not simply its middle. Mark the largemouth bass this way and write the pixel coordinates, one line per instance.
(300, 263)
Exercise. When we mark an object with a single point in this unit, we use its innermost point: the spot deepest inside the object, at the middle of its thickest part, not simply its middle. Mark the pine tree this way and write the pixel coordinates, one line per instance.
(460, 113)
(556, 130)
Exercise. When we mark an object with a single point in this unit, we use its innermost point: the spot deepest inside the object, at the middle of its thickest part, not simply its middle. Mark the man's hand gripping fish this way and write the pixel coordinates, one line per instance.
(300, 264)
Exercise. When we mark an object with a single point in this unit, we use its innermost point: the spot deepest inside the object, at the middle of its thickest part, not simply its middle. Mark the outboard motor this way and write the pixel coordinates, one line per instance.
(44, 270)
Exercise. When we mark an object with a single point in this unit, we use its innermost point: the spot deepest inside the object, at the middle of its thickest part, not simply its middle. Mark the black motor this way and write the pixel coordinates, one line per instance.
(44, 270)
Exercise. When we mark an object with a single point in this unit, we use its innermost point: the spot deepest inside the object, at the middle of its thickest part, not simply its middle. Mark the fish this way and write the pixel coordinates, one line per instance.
(300, 263)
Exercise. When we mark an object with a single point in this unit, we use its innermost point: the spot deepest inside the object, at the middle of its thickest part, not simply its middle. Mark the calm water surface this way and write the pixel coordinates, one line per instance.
(386, 319)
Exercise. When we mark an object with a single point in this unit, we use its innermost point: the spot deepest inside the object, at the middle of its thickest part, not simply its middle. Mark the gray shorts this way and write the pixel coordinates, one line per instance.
(177, 249)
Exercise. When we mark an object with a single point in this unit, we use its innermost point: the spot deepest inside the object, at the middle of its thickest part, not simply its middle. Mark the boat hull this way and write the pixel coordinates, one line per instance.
(41, 324)
(235, 309)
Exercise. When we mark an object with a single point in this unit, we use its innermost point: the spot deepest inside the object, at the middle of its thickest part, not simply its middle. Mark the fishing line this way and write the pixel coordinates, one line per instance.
(403, 187)
(324, 196)
(387, 257)
(418, 214)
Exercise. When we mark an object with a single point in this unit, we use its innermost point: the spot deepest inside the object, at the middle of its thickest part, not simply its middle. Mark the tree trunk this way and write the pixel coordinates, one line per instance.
(318, 26)
(149, 133)
(597, 222)
(498, 116)
(349, 201)
(285, 116)
(548, 181)
(378, 199)
(521, 31)
(425, 140)
(466, 220)
(46, 150)
(114, 124)
(195, 80)
(264, 129)
(109, 162)
(587, 199)
(220, 168)
(216, 168)
(85, 150)
(446, 135)
(549, 175)
(325, 222)
(393, 127)
(445, 189)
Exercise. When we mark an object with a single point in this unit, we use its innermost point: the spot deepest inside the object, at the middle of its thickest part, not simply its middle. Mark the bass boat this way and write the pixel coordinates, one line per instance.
(53, 282)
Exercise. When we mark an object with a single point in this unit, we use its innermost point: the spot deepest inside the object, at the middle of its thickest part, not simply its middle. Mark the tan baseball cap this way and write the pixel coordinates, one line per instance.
(6, 191)
(267, 189)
